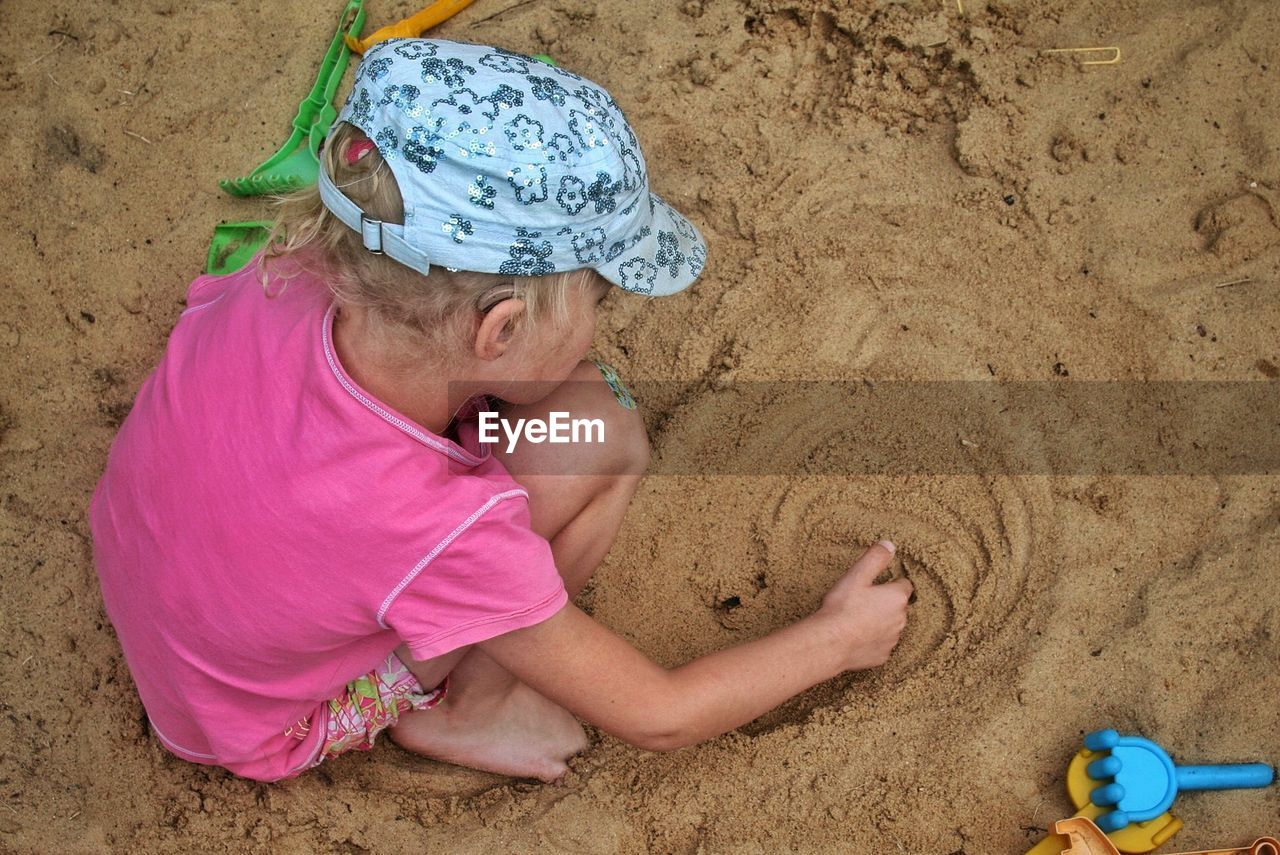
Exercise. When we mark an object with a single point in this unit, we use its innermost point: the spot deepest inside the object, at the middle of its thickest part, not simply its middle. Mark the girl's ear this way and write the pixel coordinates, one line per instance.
(493, 336)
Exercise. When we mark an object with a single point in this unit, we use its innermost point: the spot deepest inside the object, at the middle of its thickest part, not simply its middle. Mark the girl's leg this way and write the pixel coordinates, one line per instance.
(578, 495)
(579, 492)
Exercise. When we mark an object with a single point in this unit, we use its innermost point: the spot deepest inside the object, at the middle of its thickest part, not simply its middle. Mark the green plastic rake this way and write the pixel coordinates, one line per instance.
(234, 244)
(296, 164)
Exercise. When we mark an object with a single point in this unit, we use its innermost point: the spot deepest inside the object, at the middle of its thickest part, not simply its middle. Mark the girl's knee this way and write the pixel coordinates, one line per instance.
(609, 439)
(600, 395)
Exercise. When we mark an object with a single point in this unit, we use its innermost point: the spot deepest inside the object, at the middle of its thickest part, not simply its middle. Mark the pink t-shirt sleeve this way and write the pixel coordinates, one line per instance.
(490, 576)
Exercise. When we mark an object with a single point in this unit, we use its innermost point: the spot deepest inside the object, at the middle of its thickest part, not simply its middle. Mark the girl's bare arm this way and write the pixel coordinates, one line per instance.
(598, 676)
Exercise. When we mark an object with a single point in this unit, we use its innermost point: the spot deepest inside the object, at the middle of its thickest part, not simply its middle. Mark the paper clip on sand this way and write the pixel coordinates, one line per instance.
(1112, 59)
(1085, 838)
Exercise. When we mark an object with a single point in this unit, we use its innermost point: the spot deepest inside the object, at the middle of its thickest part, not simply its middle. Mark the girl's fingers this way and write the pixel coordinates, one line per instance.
(905, 585)
(873, 562)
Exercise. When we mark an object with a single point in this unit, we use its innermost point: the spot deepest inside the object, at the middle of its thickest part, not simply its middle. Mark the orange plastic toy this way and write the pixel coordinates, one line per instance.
(1085, 838)
(412, 26)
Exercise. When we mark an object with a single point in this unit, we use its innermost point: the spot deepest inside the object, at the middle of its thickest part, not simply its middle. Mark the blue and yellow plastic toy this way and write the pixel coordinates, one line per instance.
(1138, 820)
(1140, 780)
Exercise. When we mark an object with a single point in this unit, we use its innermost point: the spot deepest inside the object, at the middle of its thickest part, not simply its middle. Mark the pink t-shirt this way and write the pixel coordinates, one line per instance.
(266, 531)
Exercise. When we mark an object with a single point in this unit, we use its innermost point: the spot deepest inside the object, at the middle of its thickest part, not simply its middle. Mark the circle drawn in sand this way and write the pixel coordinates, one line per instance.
(964, 542)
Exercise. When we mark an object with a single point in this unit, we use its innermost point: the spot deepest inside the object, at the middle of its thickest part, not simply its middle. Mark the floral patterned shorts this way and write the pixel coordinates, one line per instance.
(371, 703)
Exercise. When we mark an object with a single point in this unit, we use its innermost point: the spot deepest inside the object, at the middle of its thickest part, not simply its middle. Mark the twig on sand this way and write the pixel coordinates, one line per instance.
(502, 12)
(1114, 51)
(62, 41)
(1234, 282)
(11, 807)
(960, 6)
(138, 136)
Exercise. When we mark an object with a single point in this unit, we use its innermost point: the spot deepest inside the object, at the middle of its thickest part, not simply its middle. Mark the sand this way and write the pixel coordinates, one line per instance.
(890, 191)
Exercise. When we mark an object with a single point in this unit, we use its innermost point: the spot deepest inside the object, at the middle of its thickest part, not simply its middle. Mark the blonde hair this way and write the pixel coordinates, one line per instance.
(436, 311)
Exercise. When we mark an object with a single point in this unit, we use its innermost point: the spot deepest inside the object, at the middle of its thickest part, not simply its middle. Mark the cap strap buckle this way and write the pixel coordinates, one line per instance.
(371, 233)
(379, 237)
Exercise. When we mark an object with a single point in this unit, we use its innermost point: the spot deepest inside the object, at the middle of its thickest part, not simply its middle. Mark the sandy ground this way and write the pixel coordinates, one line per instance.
(890, 191)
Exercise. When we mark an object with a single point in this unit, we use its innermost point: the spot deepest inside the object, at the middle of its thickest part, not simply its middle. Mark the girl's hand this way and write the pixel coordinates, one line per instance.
(864, 618)
(595, 674)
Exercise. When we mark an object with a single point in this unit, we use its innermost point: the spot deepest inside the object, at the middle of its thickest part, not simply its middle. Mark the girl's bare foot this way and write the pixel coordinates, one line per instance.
(492, 722)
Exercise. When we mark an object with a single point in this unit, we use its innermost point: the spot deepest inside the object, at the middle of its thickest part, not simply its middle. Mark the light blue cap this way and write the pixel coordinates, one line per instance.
(508, 165)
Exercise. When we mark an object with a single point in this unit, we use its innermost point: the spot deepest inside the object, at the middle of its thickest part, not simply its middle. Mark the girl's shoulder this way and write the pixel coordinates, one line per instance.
(252, 285)
(205, 289)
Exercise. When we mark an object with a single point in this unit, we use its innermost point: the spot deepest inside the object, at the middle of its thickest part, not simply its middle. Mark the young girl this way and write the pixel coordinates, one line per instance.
(300, 538)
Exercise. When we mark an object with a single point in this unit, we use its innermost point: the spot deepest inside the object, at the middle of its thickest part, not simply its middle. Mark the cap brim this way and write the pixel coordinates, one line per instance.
(666, 261)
